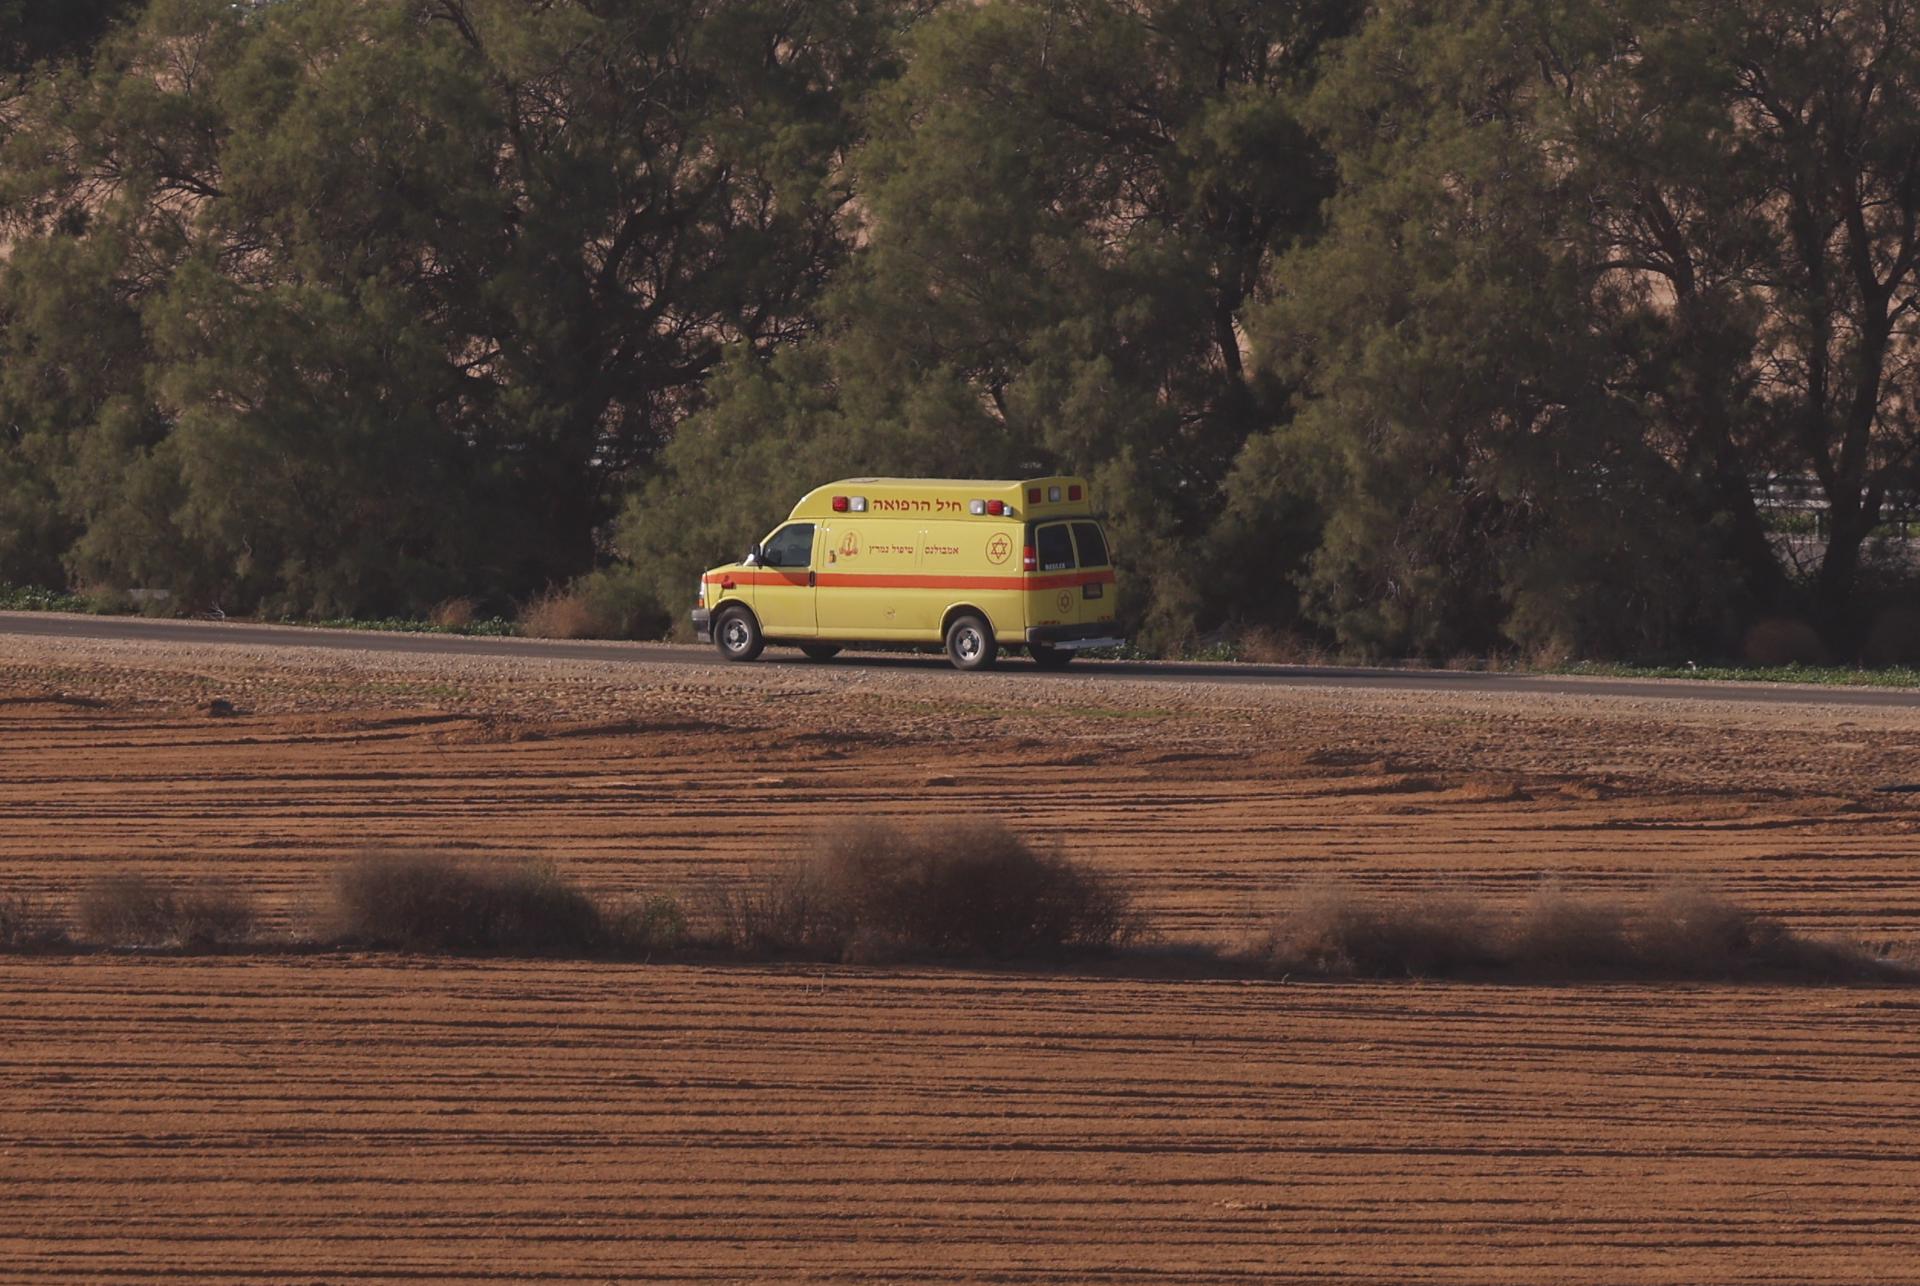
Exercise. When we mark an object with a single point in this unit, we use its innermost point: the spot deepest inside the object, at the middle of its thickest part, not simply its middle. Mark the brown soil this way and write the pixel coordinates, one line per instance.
(319, 1118)
(325, 1119)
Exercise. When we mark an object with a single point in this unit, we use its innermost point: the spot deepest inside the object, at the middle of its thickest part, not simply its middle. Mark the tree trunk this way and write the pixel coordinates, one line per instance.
(1750, 545)
(1840, 570)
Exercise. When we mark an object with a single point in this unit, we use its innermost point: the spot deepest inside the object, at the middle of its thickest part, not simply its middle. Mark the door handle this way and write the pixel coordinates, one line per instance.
(810, 580)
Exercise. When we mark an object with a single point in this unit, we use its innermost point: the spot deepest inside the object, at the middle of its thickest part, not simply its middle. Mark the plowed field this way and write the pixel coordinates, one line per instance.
(350, 1117)
(329, 1119)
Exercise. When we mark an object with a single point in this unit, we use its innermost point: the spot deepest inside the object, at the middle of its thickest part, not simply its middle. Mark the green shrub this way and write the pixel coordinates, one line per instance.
(1894, 639)
(1780, 641)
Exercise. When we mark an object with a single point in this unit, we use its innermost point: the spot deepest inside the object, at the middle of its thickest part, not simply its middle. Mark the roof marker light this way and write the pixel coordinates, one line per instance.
(996, 507)
(976, 507)
(858, 504)
(1073, 493)
(839, 504)
(1053, 495)
(1033, 495)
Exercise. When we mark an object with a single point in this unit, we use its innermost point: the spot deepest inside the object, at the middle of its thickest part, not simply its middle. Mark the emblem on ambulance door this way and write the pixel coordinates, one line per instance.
(1066, 603)
(850, 545)
(999, 548)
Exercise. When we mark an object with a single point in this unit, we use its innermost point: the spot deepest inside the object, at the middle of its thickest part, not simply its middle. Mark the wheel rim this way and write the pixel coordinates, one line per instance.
(734, 634)
(968, 645)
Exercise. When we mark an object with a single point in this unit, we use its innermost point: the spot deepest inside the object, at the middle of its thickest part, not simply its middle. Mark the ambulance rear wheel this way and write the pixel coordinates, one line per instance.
(970, 644)
(820, 651)
(1049, 658)
(737, 635)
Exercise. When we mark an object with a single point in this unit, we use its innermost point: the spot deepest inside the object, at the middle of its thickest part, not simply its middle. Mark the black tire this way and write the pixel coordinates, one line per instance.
(1049, 658)
(737, 634)
(970, 644)
(820, 651)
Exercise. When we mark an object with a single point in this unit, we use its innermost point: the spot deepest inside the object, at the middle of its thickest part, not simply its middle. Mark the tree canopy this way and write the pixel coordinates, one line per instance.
(1417, 328)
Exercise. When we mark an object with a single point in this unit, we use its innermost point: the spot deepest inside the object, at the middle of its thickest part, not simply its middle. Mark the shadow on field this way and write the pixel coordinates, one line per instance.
(962, 892)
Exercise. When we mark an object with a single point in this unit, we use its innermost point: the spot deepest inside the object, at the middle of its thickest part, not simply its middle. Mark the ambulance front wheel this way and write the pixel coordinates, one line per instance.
(1049, 658)
(970, 644)
(820, 651)
(737, 635)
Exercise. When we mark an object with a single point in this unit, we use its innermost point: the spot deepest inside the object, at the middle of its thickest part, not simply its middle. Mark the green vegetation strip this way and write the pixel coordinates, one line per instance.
(1823, 675)
(490, 627)
(20, 599)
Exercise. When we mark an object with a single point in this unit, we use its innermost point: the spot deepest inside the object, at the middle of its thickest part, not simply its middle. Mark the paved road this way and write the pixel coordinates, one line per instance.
(46, 624)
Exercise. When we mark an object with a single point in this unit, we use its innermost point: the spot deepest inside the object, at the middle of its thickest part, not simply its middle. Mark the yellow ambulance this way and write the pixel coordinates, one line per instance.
(976, 567)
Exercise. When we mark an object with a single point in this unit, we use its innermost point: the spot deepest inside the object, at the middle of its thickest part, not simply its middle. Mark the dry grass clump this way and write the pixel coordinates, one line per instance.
(944, 891)
(430, 903)
(643, 926)
(26, 925)
(606, 604)
(139, 911)
(454, 614)
(558, 614)
(1266, 645)
(1682, 934)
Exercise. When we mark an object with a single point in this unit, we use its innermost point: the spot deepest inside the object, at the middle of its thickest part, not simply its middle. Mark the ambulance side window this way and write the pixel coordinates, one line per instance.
(791, 546)
(1093, 545)
(1053, 548)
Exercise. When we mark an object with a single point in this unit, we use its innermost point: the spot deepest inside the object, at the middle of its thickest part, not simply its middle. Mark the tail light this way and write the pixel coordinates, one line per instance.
(1027, 560)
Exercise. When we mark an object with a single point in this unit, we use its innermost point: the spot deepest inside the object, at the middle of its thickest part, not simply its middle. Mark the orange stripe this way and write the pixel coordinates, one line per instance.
(797, 580)
(880, 580)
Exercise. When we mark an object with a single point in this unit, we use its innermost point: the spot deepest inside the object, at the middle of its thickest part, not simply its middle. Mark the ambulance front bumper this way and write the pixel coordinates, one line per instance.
(1072, 638)
(703, 624)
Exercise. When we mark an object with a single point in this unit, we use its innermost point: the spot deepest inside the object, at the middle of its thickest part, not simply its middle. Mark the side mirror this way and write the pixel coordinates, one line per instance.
(754, 556)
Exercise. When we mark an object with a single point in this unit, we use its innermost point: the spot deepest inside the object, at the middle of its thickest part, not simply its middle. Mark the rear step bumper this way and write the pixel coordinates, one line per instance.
(1073, 638)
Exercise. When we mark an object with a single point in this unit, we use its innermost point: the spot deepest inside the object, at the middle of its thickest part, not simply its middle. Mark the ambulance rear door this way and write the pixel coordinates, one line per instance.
(1072, 578)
